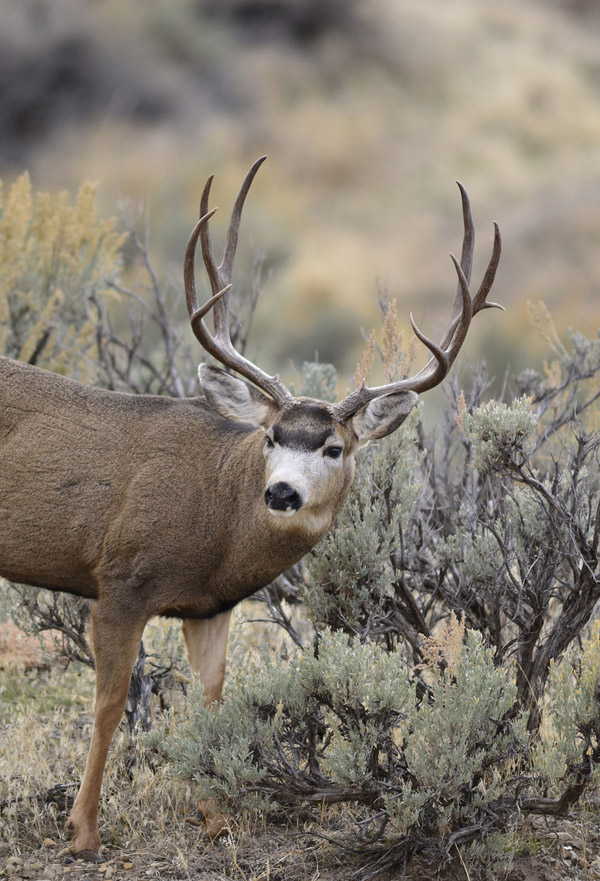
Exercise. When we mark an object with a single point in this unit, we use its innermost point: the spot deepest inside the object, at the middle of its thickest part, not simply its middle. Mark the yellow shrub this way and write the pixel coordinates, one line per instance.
(53, 256)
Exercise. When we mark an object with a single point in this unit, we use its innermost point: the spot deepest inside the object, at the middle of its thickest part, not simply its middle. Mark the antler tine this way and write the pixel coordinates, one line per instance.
(479, 300)
(444, 353)
(220, 276)
(189, 275)
(236, 216)
(466, 264)
(468, 245)
(220, 345)
(206, 245)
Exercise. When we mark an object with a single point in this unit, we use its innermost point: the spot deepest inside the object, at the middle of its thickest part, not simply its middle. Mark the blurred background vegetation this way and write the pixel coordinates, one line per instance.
(369, 111)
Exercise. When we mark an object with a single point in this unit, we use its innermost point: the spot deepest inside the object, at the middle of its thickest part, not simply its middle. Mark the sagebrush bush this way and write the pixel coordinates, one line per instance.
(344, 722)
(573, 733)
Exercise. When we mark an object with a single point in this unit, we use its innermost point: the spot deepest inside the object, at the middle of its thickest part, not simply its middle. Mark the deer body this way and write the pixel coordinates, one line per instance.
(136, 490)
(151, 506)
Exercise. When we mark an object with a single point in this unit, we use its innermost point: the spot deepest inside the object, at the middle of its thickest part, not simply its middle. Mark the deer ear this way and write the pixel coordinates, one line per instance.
(382, 415)
(233, 398)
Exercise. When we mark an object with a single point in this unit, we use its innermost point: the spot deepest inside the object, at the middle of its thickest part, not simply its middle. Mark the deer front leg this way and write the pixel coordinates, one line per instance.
(206, 643)
(115, 641)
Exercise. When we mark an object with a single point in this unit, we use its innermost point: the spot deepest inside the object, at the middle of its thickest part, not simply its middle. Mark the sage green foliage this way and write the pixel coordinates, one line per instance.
(346, 722)
(453, 739)
(574, 729)
(318, 381)
(500, 433)
(587, 352)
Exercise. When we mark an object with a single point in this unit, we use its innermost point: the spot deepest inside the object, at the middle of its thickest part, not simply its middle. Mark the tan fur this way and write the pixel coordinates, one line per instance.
(206, 643)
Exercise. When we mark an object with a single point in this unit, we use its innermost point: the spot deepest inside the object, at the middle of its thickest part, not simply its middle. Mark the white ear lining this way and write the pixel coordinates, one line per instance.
(232, 397)
(382, 416)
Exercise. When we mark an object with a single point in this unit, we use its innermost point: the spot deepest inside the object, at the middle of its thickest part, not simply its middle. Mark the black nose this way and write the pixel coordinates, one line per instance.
(281, 497)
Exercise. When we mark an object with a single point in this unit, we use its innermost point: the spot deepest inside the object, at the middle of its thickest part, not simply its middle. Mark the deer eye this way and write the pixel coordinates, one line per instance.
(333, 452)
(269, 443)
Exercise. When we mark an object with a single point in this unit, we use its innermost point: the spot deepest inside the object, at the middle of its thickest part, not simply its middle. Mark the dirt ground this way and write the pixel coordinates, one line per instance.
(17, 648)
(568, 852)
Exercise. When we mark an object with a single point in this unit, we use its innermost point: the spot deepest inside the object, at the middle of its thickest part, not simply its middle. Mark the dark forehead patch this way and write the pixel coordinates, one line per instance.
(304, 427)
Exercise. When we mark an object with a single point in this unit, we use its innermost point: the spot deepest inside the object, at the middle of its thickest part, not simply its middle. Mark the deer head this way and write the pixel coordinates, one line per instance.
(309, 444)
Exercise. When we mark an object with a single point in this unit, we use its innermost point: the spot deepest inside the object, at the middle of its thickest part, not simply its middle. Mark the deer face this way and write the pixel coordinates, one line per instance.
(308, 453)
(307, 460)
(309, 445)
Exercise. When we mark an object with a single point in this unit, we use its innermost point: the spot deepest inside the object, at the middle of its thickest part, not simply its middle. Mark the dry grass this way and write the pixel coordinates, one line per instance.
(148, 818)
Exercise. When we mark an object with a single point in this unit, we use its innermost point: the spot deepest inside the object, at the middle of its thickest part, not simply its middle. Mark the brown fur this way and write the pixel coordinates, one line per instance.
(149, 506)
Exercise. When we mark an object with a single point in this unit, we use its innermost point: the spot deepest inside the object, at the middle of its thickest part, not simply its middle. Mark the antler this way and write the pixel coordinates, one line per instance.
(220, 345)
(444, 354)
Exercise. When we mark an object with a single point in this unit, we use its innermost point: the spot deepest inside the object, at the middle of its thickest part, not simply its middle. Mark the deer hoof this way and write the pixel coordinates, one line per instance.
(214, 824)
(85, 842)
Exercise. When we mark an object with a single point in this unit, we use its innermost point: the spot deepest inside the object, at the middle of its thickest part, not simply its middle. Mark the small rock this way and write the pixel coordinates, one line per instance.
(128, 865)
(48, 842)
(88, 856)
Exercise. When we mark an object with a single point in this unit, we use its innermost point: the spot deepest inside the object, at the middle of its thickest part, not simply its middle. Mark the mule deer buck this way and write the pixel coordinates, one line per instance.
(183, 507)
